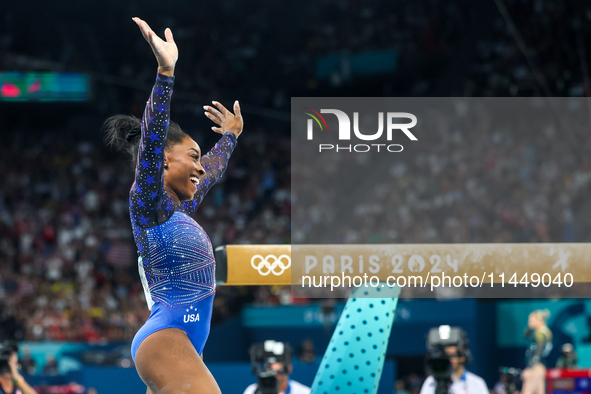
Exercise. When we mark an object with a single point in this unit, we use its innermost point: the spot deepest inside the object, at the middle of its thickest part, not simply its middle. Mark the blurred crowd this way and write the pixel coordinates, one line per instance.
(478, 178)
(262, 50)
(546, 54)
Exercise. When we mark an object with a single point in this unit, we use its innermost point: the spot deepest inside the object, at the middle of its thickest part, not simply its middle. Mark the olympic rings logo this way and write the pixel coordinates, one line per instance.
(270, 263)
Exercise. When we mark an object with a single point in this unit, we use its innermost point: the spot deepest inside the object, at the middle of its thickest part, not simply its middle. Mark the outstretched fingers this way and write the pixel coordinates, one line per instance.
(150, 36)
(214, 112)
(237, 112)
(168, 35)
(213, 118)
(227, 120)
(144, 28)
(221, 108)
(166, 52)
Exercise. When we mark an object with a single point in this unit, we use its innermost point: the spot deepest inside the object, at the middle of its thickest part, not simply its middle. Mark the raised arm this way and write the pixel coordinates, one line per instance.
(147, 191)
(214, 163)
(19, 381)
(230, 125)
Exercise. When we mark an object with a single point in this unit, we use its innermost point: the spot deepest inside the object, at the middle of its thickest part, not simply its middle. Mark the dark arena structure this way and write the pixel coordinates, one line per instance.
(503, 157)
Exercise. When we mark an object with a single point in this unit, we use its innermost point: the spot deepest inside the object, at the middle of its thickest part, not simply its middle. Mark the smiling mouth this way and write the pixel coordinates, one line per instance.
(194, 180)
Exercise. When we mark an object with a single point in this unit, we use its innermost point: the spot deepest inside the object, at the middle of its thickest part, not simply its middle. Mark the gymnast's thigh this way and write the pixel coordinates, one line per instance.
(168, 363)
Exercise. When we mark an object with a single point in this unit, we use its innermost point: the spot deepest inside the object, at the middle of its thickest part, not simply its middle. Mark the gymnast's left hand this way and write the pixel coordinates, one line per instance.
(166, 52)
(226, 120)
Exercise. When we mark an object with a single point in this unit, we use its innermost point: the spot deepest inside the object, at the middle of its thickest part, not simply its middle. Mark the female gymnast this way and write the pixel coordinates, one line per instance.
(176, 260)
(534, 375)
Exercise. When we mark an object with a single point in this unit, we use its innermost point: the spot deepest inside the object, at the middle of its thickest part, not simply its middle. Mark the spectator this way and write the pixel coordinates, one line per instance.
(27, 362)
(568, 359)
(306, 352)
(399, 387)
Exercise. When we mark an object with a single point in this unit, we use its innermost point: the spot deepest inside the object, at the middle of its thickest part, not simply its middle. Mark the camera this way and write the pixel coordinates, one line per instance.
(262, 357)
(511, 377)
(7, 348)
(437, 362)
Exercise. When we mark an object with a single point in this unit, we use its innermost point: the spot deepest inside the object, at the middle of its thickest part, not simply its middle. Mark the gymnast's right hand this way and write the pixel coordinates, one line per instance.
(166, 51)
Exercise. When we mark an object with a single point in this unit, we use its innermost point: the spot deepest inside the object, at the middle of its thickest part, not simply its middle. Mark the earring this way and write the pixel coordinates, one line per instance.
(165, 165)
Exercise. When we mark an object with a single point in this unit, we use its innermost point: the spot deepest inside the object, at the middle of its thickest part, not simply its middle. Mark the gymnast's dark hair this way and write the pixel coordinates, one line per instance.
(124, 133)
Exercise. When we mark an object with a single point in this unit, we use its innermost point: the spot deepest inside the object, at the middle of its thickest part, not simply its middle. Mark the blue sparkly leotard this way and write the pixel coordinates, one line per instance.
(176, 261)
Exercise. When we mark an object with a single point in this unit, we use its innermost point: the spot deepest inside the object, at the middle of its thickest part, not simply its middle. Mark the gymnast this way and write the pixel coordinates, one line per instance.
(176, 261)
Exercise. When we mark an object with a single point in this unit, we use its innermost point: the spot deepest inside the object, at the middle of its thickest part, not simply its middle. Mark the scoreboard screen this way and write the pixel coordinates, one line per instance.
(43, 86)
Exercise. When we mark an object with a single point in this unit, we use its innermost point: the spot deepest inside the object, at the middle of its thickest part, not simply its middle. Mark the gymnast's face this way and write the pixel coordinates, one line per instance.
(183, 169)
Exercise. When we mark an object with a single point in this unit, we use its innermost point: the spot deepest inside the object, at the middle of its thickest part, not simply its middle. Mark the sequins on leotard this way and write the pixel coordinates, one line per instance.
(175, 254)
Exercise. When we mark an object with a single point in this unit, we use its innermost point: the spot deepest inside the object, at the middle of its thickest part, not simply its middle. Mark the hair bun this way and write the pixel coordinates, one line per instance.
(132, 134)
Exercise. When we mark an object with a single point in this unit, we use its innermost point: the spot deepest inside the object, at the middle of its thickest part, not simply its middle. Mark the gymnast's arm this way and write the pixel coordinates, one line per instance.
(215, 161)
(147, 191)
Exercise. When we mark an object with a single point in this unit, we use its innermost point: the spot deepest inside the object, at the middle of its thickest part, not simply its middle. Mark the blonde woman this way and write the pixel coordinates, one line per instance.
(534, 376)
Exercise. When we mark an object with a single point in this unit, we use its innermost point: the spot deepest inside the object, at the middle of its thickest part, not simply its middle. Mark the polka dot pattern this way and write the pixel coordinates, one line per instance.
(356, 353)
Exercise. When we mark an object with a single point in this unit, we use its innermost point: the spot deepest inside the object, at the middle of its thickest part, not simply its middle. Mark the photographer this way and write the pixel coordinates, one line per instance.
(568, 359)
(11, 381)
(445, 364)
(272, 365)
